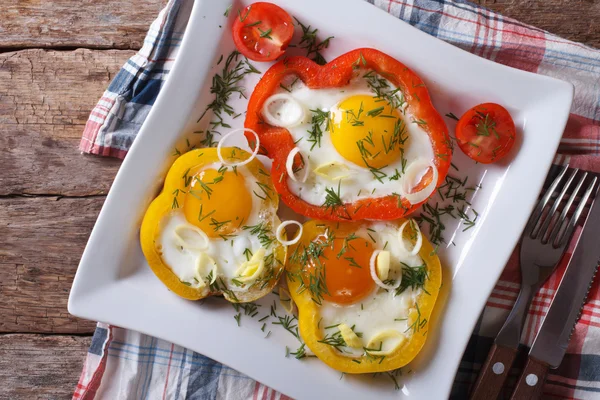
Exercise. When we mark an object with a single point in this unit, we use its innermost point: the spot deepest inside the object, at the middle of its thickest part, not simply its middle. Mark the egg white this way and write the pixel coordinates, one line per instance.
(360, 182)
(228, 254)
(381, 310)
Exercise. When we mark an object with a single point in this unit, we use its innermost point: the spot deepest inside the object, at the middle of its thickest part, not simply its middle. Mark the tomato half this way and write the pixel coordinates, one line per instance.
(486, 133)
(262, 31)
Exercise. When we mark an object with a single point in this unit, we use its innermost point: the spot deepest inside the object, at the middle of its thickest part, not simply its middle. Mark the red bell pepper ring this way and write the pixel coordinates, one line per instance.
(277, 142)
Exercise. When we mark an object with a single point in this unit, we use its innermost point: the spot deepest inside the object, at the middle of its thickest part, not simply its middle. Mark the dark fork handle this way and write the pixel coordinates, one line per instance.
(531, 382)
(493, 373)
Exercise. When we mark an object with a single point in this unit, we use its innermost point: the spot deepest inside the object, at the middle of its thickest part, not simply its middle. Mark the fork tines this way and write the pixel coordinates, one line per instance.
(556, 215)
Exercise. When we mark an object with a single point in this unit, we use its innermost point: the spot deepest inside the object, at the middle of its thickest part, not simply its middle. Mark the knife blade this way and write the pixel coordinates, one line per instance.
(551, 342)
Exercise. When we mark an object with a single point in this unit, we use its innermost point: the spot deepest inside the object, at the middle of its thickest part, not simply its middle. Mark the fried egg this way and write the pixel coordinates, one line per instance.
(219, 235)
(361, 314)
(359, 139)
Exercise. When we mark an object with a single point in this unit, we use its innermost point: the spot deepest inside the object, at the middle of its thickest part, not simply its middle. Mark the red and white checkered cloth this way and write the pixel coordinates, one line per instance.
(125, 364)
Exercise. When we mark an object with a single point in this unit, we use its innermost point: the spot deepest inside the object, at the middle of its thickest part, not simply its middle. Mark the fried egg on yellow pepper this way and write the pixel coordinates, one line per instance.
(364, 292)
(212, 228)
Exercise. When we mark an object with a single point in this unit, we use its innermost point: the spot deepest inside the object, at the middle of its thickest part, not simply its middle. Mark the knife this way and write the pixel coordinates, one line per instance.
(552, 340)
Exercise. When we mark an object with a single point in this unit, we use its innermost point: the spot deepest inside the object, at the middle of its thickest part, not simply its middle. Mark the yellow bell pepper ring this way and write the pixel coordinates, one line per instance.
(341, 345)
(259, 274)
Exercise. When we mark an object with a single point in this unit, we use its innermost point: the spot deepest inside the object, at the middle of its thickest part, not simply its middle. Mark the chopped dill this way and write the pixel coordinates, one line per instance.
(311, 43)
(319, 118)
(262, 231)
(224, 85)
(452, 116)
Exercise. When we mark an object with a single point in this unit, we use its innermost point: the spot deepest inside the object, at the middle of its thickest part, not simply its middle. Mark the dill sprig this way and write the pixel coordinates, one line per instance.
(220, 286)
(452, 116)
(250, 309)
(218, 225)
(265, 189)
(486, 125)
(467, 221)
(413, 277)
(300, 353)
(452, 200)
(289, 323)
(315, 281)
(419, 322)
(311, 43)
(265, 34)
(335, 339)
(333, 199)
(224, 85)
(354, 118)
(334, 202)
(375, 112)
(399, 137)
(352, 262)
(346, 244)
(383, 91)
(319, 118)
(262, 231)
(376, 172)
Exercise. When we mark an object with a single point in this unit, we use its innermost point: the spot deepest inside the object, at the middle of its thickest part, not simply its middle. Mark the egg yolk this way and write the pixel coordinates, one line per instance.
(367, 131)
(217, 202)
(347, 273)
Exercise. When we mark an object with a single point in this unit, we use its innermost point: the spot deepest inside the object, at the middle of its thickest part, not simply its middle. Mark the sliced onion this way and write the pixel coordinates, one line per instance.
(204, 258)
(380, 337)
(289, 166)
(244, 162)
(379, 282)
(415, 250)
(186, 241)
(411, 172)
(330, 167)
(281, 228)
(286, 300)
(297, 111)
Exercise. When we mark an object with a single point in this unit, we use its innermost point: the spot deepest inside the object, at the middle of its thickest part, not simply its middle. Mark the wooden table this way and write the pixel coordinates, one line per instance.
(55, 61)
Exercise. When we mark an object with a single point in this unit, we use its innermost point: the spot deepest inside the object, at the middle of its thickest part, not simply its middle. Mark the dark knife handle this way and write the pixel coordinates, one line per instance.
(532, 380)
(493, 373)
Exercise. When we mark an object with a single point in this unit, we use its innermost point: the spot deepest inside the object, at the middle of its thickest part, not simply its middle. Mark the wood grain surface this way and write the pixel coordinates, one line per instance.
(40, 366)
(104, 24)
(45, 99)
(571, 19)
(40, 249)
(56, 59)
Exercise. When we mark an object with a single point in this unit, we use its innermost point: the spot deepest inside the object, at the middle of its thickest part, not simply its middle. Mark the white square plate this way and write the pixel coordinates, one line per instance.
(114, 284)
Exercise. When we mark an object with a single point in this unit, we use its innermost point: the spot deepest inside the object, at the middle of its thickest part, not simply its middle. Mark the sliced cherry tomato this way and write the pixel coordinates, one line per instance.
(262, 31)
(486, 133)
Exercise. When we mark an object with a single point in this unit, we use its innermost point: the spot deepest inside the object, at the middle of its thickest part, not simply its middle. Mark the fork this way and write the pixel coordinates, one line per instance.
(543, 244)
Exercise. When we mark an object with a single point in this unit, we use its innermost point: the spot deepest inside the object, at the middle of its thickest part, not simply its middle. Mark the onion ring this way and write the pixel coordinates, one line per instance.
(244, 162)
(280, 229)
(411, 171)
(375, 278)
(273, 120)
(289, 166)
(415, 250)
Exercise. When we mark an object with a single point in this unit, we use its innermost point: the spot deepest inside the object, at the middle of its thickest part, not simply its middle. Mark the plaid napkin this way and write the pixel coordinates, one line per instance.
(125, 364)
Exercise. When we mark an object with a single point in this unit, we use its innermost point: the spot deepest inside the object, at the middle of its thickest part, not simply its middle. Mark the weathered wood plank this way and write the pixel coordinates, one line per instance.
(45, 100)
(40, 367)
(41, 242)
(123, 25)
(105, 24)
(574, 20)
